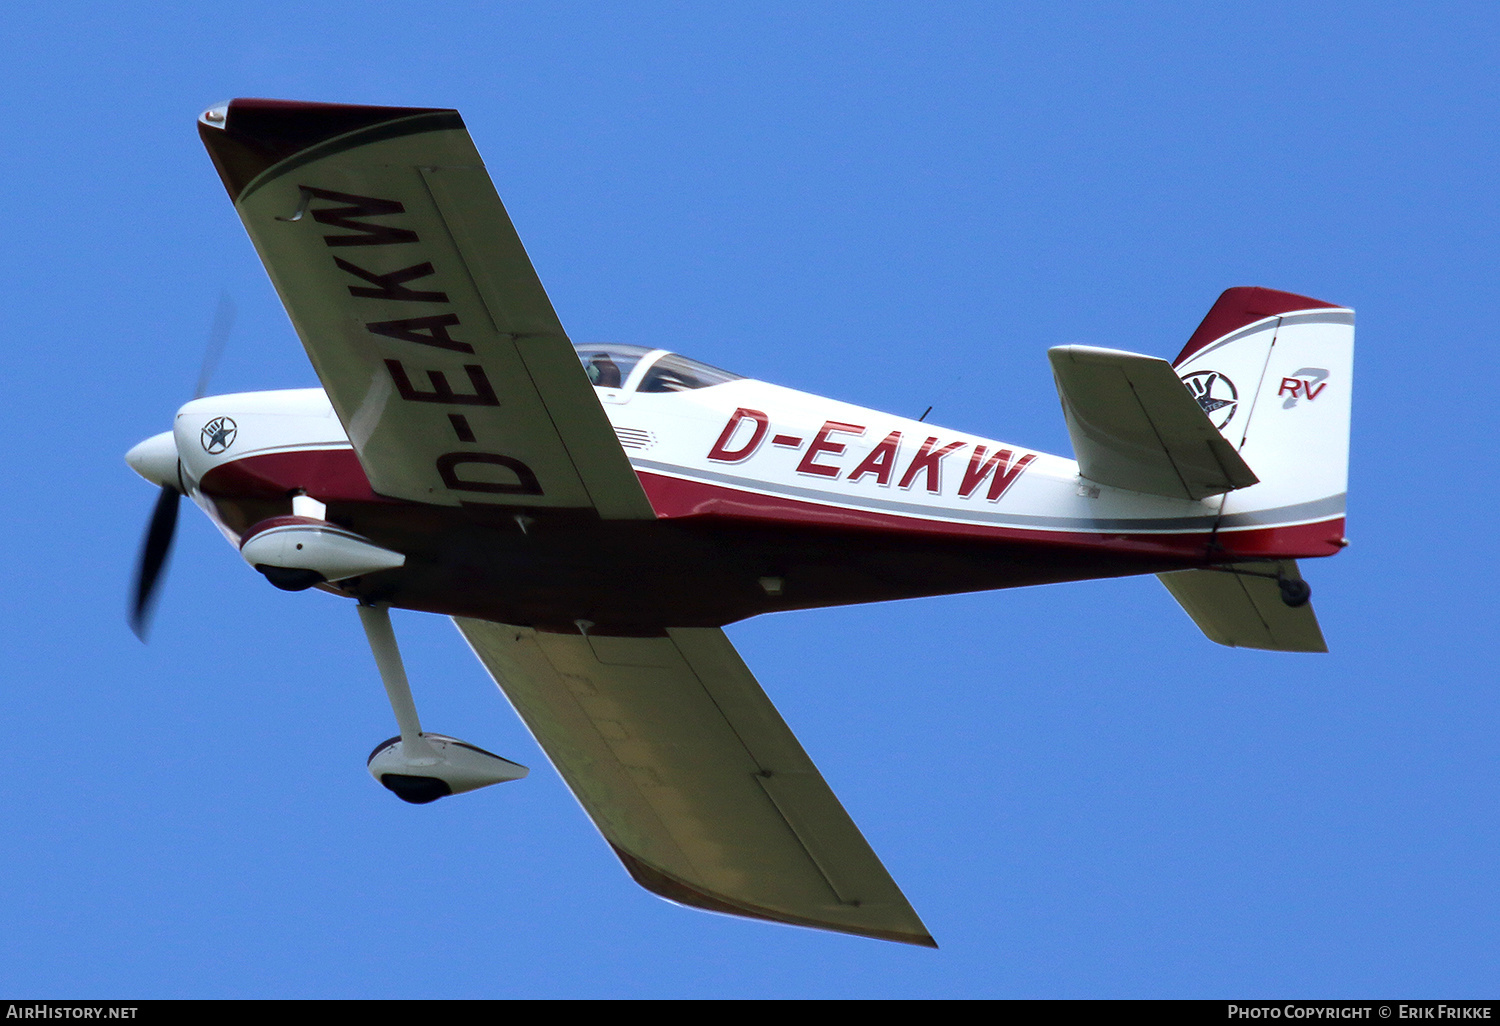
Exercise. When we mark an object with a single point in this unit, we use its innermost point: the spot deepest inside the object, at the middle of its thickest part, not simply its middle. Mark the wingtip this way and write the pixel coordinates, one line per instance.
(668, 886)
(246, 136)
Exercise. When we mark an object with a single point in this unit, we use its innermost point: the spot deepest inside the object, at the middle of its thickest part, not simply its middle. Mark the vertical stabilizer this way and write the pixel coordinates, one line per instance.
(1273, 371)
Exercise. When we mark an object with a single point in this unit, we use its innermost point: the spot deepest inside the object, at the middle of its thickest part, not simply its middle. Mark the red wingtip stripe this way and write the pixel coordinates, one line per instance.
(1242, 306)
(257, 133)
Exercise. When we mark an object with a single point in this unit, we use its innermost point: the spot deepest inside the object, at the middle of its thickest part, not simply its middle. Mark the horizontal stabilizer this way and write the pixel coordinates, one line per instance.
(1241, 606)
(1135, 425)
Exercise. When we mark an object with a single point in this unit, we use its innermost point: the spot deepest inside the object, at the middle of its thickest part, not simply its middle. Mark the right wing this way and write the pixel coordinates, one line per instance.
(1135, 425)
(418, 306)
(693, 778)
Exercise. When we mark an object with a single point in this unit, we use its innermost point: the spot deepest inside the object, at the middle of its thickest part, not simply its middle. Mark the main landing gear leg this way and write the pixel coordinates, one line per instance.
(417, 767)
(377, 624)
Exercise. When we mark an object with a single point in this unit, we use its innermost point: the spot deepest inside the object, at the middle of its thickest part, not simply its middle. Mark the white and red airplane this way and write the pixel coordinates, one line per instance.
(592, 516)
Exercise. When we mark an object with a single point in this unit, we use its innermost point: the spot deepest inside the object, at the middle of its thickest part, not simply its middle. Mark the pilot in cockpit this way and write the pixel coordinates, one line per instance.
(603, 372)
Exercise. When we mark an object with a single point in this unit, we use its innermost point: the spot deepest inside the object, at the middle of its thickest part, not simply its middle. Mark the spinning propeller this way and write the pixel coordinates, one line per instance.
(156, 460)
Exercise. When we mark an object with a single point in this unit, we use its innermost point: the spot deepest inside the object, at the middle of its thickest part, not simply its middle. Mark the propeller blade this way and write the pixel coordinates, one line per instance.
(153, 557)
(158, 543)
(218, 337)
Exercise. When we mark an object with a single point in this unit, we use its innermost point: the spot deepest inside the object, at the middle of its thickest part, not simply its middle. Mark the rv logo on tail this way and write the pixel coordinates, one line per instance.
(1308, 384)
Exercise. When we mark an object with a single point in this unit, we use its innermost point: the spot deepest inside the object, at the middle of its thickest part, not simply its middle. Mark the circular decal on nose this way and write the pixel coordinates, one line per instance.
(1216, 394)
(218, 435)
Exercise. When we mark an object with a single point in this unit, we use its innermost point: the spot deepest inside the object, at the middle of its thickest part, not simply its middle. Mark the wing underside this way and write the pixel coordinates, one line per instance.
(419, 307)
(693, 778)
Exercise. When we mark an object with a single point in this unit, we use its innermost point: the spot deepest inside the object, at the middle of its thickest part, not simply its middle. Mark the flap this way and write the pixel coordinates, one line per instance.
(419, 308)
(692, 776)
(1135, 425)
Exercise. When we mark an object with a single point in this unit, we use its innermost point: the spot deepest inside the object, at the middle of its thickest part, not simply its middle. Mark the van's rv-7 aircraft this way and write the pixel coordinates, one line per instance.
(592, 516)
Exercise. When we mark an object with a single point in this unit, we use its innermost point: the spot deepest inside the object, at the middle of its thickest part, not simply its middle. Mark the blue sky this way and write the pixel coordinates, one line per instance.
(898, 205)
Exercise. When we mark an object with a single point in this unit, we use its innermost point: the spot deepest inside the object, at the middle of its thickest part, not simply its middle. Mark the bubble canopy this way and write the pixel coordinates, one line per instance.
(641, 369)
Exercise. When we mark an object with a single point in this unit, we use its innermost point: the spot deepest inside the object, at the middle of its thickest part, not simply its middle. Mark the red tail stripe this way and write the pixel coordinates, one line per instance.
(1239, 307)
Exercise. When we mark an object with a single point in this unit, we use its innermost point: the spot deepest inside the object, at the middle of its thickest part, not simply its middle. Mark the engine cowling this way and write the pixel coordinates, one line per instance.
(447, 766)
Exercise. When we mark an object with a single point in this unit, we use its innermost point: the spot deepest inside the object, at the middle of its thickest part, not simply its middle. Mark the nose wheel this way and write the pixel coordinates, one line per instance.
(418, 767)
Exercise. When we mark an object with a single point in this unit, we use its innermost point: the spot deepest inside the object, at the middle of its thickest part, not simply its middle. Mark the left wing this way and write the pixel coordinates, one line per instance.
(418, 306)
(693, 778)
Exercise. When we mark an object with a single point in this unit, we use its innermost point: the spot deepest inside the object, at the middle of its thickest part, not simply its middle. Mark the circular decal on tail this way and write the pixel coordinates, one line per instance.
(1216, 394)
(218, 435)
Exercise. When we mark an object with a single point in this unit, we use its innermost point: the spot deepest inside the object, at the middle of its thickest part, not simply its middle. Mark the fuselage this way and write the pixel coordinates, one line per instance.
(766, 499)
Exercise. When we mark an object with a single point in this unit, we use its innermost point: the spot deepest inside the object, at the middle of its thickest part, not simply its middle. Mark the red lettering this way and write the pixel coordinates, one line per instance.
(721, 450)
(929, 460)
(1003, 464)
(821, 444)
(1312, 393)
(881, 462)
(1292, 385)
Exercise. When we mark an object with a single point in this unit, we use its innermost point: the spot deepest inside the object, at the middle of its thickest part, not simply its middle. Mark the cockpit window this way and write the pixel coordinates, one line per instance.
(609, 366)
(673, 373)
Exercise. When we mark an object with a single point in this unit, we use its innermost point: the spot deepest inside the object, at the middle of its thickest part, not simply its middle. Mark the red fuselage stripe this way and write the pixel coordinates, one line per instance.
(335, 476)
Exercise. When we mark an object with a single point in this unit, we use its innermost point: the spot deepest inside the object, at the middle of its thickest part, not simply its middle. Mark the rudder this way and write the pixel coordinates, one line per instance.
(1273, 370)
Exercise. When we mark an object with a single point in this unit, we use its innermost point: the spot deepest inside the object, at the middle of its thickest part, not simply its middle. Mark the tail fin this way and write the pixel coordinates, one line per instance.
(1273, 371)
